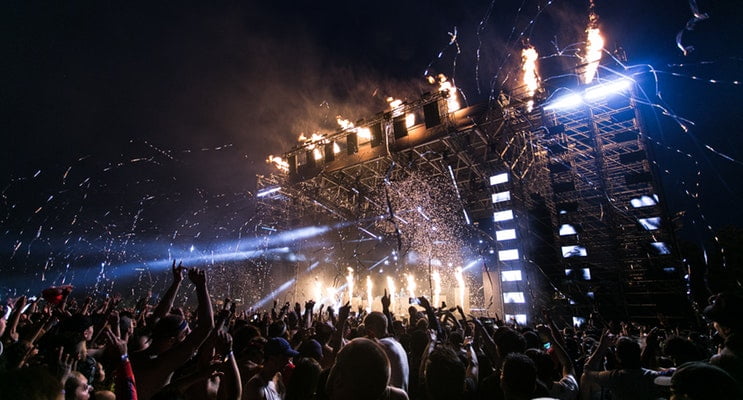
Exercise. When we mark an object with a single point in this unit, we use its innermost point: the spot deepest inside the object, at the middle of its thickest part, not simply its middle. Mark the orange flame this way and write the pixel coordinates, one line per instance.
(452, 101)
(594, 47)
(280, 163)
(529, 67)
(362, 132)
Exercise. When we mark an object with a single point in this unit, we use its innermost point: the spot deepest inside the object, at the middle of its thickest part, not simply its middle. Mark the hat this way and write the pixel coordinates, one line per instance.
(726, 309)
(700, 380)
(279, 347)
(311, 348)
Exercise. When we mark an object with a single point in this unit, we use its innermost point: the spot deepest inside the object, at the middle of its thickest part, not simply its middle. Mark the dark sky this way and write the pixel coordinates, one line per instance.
(146, 118)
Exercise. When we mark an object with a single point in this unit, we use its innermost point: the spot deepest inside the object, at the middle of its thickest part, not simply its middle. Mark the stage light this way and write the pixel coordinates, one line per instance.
(567, 229)
(514, 297)
(650, 224)
(501, 196)
(511, 276)
(574, 251)
(502, 215)
(500, 178)
(267, 191)
(606, 89)
(644, 201)
(565, 103)
(519, 318)
(505, 234)
(508, 255)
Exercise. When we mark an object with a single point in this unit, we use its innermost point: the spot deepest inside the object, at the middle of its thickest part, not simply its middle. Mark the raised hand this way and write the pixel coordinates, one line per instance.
(386, 300)
(197, 276)
(178, 271)
(344, 311)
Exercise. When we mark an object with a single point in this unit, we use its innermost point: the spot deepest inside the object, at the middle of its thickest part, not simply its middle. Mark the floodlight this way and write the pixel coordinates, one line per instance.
(500, 178)
(502, 216)
(565, 103)
(501, 196)
(567, 229)
(650, 224)
(505, 234)
(511, 276)
(605, 89)
(519, 318)
(574, 251)
(508, 255)
(514, 297)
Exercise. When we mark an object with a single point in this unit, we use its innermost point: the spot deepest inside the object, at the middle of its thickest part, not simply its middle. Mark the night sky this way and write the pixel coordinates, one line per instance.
(132, 129)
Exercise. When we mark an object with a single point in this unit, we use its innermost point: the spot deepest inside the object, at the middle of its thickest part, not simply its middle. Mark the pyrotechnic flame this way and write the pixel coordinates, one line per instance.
(391, 289)
(460, 286)
(394, 103)
(409, 120)
(436, 277)
(369, 298)
(411, 284)
(349, 284)
(529, 67)
(317, 292)
(362, 132)
(280, 163)
(594, 47)
(452, 102)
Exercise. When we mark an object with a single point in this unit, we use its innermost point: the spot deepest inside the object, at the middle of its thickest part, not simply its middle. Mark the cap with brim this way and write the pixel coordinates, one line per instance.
(279, 347)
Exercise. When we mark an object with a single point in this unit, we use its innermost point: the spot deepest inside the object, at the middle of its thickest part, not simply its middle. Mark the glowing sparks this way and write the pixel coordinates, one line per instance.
(460, 286)
(452, 101)
(280, 163)
(317, 291)
(436, 277)
(594, 47)
(411, 284)
(369, 298)
(531, 80)
(349, 284)
(391, 289)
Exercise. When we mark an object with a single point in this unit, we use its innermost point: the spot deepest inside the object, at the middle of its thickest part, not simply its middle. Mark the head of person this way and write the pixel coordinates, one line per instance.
(304, 378)
(79, 328)
(518, 376)
(445, 374)
(376, 324)
(628, 353)
(169, 330)
(361, 371)
(543, 362)
(509, 340)
(277, 352)
(700, 380)
(76, 387)
(311, 349)
(726, 312)
(33, 383)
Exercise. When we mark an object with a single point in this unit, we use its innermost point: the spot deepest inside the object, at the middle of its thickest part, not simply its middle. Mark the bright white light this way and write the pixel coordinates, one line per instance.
(650, 224)
(565, 103)
(644, 201)
(661, 247)
(503, 215)
(266, 192)
(605, 89)
(505, 234)
(520, 318)
(500, 178)
(585, 273)
(508, 255)
(567, 229)
(501, 196)
(578, 321)
(574, 251)
(511, 276)
(514, 297)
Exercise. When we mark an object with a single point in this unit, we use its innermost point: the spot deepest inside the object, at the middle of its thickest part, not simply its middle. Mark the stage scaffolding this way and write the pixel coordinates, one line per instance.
(567, 202)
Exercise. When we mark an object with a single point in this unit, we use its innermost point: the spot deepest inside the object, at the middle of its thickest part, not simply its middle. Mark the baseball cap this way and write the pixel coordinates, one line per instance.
(279, 346)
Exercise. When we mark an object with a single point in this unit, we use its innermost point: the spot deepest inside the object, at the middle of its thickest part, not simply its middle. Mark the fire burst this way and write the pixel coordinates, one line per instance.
(369, 298)
(363, 133)
(594, 46)
(460, 286)
(452, 102)
(436, 277)
(411, 285)
(531, 81)
(279, 162)
(349, 282)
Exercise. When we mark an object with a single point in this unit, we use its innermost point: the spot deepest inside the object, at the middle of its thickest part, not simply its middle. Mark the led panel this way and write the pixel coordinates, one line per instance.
(501, 196)
(505, 234)
(514, 297)
(503, 215)
(644, 201)
(520, 318)
(650, 224)
(511, 276)
(508, 255)
(500, 178)
(661, 247)
(567, 229)
(574, 251)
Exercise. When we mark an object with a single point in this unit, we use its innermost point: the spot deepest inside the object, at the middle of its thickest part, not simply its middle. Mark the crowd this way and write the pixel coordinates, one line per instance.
(63, 347)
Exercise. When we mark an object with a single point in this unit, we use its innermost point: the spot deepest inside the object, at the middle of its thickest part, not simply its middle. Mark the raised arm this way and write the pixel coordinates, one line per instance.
(166, 303)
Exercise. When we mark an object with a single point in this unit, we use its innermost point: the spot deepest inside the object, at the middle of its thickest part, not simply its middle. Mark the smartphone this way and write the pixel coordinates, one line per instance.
(414, 300)
(547, 345)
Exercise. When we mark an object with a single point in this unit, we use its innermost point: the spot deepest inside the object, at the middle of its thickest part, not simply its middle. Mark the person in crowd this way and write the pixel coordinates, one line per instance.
(303, 383)
(173, 342)
(518, 377)
(630, 380)
(726, 313)
(267, 383)
(700, 380)
(376, 328)
(362, 371)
